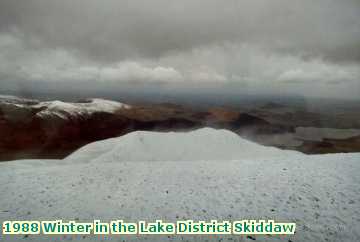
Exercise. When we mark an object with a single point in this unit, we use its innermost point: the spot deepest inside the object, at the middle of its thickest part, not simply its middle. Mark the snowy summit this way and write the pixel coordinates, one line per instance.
(204, 144)
(66, 109)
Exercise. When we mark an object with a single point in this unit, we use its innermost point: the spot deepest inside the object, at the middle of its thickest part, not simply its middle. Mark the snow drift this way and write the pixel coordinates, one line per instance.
(320, 193)
(202, 144)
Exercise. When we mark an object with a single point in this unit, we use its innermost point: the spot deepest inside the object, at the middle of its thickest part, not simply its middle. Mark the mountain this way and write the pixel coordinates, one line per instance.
(54, 129)
(67, 111)
(200, 175)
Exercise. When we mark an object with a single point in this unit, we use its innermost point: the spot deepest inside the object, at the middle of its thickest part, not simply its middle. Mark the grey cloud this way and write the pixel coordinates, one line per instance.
(115, 30)
(248, 42)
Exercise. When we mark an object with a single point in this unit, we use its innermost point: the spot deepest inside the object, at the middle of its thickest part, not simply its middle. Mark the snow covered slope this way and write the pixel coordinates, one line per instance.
(66, 109)
(321, 193)
(61, 109)
(202, 144)
(16, 100)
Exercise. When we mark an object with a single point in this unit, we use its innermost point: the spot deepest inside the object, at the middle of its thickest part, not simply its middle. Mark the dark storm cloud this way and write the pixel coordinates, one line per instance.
(113, 30)
(247, 42)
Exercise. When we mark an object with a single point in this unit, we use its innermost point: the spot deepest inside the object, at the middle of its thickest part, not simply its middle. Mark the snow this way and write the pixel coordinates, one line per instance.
(59, 109)
(124, 178)
(65, 110)
(9, 99)
(202, 144)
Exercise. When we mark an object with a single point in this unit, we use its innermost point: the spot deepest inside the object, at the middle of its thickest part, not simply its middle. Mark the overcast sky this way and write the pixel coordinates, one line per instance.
(301, 45)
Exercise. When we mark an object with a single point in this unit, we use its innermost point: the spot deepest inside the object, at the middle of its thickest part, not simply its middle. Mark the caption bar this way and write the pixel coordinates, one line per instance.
(142, 227)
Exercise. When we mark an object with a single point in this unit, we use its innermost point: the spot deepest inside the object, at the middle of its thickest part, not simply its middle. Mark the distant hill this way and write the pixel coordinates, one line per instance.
(55, 129)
